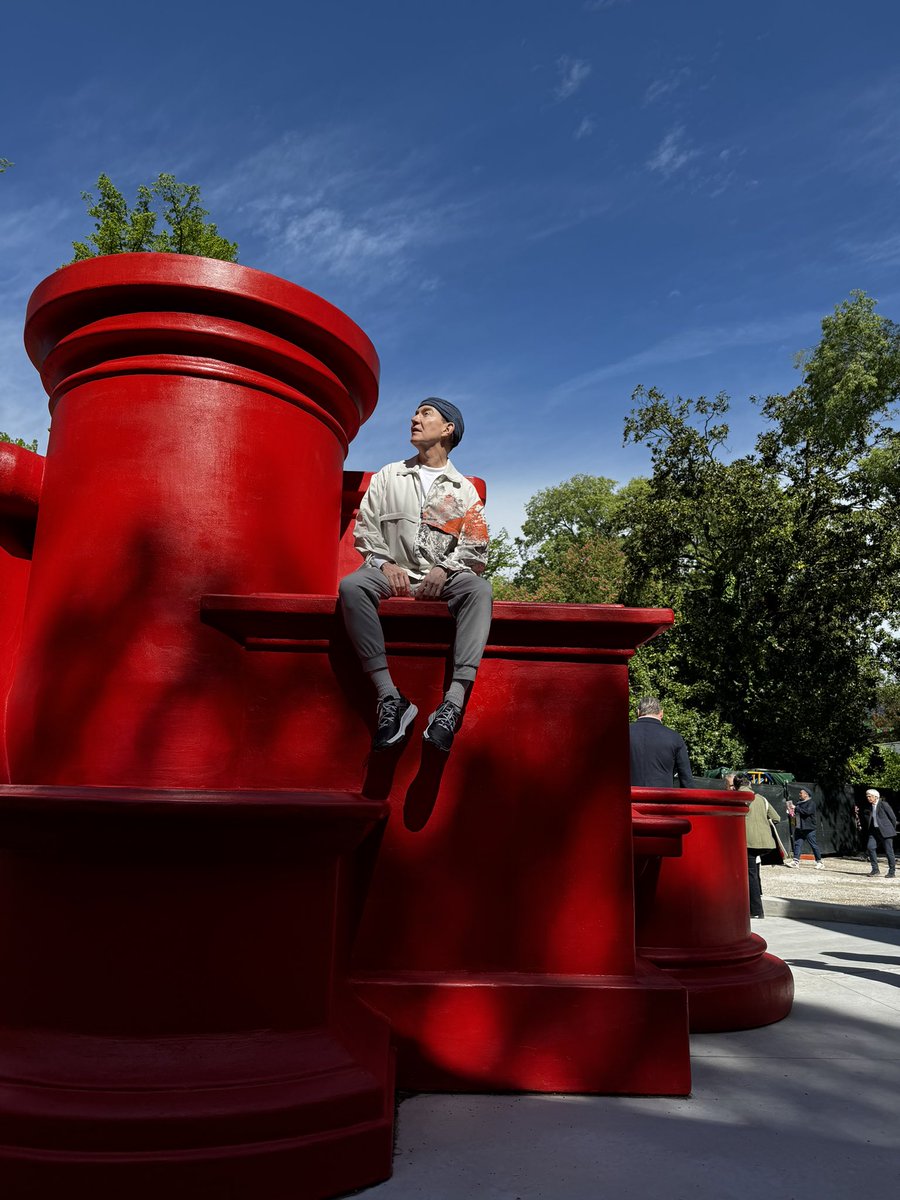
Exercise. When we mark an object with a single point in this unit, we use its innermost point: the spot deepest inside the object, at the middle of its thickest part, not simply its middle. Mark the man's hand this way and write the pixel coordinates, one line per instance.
(432, 585)
(397, 578)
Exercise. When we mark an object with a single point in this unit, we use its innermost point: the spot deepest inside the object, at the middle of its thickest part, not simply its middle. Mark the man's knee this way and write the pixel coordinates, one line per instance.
(356, 588)
(477, 590)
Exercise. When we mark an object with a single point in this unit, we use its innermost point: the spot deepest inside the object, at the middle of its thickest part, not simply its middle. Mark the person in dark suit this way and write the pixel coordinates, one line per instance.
(657, 752)
(880, 828)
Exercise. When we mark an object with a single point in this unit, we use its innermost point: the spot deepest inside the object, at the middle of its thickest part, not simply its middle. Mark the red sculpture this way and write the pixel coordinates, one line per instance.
(219, 898)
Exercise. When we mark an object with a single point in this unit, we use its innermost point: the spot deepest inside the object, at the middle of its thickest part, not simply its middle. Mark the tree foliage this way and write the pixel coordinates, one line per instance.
(570, 550)
(119, 229)
(784, 565)
(4, 437)
(5, 164)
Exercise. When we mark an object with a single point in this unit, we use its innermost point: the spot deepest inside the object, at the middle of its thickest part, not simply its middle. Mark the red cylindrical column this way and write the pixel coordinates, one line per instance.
(21, 473)
(201, 415)
(692, 914)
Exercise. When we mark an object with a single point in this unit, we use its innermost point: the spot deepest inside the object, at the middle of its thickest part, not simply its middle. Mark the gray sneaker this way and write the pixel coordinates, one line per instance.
(395, 715)
(442, 725)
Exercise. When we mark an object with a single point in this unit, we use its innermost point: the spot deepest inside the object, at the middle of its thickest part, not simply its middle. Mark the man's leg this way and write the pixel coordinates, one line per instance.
(756, 904)
(889, 851)
(872, 851)
(799, 839)
(814, 846)
(470, 601)
(361, 593)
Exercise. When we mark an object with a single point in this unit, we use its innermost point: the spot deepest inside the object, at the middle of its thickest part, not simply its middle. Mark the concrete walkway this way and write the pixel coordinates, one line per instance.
(806, 1108)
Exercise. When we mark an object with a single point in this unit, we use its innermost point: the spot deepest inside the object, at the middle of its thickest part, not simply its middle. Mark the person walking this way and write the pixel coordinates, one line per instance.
(804, 814)
(880, 827)
(760, 838)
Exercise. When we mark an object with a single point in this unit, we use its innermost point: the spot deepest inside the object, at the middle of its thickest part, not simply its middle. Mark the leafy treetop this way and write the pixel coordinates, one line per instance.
(121, 230)
(4, 437)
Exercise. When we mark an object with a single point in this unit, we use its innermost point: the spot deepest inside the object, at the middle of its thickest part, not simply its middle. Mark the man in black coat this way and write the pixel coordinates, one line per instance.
(880, 826)
(657, 752)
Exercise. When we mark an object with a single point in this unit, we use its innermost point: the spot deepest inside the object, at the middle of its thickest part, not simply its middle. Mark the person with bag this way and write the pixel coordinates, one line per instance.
(804, 814)
(880, 827)
(760, 839)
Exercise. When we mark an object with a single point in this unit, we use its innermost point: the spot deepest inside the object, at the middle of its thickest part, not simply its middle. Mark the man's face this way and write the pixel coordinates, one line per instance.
(871, 797)
(804, 794)
(428, 426)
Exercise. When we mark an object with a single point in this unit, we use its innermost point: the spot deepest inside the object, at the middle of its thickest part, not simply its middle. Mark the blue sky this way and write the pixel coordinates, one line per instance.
(530, 207)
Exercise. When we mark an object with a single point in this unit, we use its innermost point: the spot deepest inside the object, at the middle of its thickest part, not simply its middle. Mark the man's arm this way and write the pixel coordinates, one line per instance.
(367, 536)
(471, 549)
(369, 540)
(683, 765)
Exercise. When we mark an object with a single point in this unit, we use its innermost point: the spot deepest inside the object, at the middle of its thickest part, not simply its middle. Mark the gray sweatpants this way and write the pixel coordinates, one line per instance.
(468, 597)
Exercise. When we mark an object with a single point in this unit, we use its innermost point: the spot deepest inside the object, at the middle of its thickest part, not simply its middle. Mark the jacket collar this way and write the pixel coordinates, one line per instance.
(448, 471)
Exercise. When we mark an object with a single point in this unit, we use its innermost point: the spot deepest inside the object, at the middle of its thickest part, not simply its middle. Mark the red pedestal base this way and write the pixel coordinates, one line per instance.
(174, 1018)
(498, 933)
(532, 1033)
(693, 914)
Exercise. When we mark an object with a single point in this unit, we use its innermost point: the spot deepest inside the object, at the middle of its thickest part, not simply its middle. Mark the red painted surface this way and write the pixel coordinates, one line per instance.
(693, 914)
(175, 1018)
(498, 932)
(201, 413)
(196, 830)
(179, 1020)
(21, 474)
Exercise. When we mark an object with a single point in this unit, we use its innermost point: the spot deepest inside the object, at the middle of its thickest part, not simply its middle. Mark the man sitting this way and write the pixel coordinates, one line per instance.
(422, 533)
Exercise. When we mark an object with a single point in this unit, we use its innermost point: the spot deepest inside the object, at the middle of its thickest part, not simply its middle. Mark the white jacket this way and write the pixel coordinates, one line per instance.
(448, 530)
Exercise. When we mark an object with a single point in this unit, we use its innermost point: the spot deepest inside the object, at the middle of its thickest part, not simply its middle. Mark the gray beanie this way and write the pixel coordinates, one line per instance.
(450, 413)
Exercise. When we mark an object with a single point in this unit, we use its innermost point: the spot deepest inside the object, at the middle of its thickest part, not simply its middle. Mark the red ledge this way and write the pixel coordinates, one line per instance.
(577, 631)
(184, 802)
(644, 799)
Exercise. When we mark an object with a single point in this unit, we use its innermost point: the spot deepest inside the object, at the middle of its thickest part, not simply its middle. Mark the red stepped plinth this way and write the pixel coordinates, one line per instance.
(693, 914)
(174, 1018)
(498, 934)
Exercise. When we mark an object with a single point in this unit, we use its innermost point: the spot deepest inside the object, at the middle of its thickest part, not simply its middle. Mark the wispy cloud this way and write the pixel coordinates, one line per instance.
(693, 344)
(316, 203)
(572, 74)
(884, 252)
(673, 153)
(585, 129)
(599, 5)
(666, 84)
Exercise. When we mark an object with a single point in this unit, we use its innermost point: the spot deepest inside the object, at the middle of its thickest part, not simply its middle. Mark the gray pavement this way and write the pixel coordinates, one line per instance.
(809, 1107)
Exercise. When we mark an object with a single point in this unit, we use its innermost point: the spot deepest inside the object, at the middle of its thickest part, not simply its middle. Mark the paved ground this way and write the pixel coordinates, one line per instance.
(838, 892)
(807, 1108)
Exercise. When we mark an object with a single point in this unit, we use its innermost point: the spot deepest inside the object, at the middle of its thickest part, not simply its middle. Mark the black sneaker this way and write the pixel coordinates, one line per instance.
(395, 715)
(442, 725)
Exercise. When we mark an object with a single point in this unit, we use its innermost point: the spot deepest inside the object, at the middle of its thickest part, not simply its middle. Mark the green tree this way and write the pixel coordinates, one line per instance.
(784, 564)
(119, 229)
(570, 550)
(4, 437)
(5, 164)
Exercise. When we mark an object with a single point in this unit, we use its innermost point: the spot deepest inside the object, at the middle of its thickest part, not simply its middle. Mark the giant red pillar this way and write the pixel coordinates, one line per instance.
(175, 1016)
(201, 416)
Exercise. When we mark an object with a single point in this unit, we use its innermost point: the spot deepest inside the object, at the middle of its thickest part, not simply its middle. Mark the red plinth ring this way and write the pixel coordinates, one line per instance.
(84, 316)
(175, 1020)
